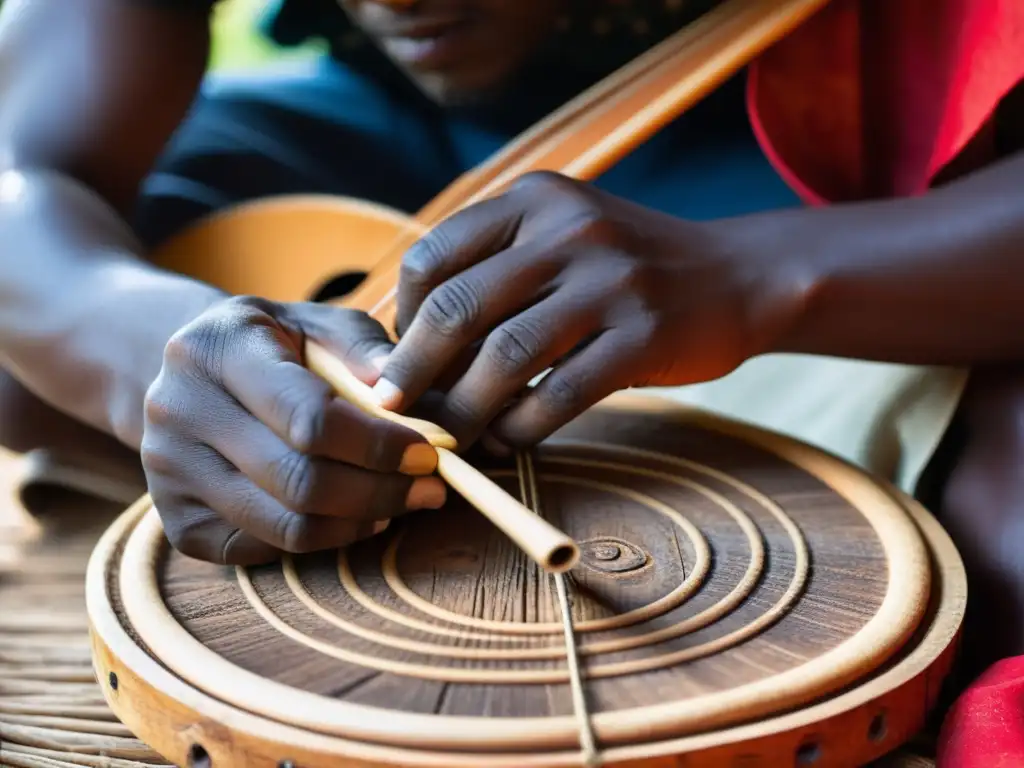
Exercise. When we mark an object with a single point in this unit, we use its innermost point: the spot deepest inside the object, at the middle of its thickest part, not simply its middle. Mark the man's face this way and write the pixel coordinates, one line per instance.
(456, 50)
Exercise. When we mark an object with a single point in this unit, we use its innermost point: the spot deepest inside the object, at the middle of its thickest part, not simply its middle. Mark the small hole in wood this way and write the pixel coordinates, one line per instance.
(286, 764)
(878, 727)
(198, 757)
(112, 679)
(808, 754)
(339, 286)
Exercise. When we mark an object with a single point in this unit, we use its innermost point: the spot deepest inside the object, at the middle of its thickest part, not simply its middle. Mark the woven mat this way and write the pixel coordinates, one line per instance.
(52, 713)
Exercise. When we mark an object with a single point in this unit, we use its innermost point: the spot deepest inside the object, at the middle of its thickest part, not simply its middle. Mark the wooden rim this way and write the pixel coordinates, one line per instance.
(287, 204)
(862, 654)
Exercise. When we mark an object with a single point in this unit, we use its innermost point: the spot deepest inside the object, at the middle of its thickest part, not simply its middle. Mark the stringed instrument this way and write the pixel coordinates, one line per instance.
(652, 586)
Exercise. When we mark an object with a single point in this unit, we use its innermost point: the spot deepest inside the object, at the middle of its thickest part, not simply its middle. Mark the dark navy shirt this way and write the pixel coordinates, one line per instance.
(598, 37)
(706, 163)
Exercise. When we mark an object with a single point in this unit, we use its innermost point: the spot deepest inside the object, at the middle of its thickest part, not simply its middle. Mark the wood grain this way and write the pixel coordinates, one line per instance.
(65, 722)
(323, 705)
(804, 643)
(536, 537)
(52, 712)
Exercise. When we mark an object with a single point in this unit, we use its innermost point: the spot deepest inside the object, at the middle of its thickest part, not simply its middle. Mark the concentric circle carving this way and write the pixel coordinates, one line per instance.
(719, 580)
(611, 555)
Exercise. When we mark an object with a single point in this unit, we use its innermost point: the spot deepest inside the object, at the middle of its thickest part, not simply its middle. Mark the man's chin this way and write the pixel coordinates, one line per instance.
(465, 88)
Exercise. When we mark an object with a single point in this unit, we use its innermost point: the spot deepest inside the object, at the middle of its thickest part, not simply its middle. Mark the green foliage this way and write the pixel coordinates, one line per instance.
(237, 42)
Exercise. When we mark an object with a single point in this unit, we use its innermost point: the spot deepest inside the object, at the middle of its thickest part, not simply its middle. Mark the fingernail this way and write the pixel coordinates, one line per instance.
(388, 395)
(426, 493)
(494, 446)
(418, 459)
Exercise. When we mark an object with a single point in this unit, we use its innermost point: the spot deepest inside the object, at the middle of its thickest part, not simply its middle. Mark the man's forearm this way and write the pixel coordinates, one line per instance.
(83, 320)
(937, 279)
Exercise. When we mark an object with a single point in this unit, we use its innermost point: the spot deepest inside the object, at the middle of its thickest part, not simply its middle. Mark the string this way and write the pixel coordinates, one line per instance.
(591, 757)
(706, 52)
(559, 127)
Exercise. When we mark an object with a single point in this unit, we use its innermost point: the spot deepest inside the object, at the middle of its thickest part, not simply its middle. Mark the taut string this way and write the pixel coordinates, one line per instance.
(529, 492)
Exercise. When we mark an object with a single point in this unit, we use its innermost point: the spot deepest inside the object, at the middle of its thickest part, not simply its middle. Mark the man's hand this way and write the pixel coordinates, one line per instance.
(247, 453)
(557, 274)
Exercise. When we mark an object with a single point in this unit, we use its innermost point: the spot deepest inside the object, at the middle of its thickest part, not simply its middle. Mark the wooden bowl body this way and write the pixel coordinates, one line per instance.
(742, 599)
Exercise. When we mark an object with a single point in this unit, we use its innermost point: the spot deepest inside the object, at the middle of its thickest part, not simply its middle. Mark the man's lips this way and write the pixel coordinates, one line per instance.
(426, 43)
(421, 28)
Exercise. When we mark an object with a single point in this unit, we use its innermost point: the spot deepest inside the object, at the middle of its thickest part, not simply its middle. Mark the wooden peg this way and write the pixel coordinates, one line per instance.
(549, 547)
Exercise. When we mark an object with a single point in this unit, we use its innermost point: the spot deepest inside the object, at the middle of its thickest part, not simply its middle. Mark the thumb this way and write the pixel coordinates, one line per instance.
(354, 337)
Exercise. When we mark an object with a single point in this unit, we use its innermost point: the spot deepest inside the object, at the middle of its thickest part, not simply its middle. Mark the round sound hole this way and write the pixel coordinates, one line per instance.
(339, 286)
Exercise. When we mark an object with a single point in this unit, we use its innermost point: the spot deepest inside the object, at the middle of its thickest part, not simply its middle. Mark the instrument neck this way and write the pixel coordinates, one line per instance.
(606, 122)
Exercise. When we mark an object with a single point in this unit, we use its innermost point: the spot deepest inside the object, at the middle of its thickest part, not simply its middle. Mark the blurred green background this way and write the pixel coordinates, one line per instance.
(237, 42)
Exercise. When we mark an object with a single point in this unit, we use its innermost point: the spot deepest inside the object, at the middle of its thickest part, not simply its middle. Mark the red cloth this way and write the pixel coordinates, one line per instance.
(874, 98)
(985, 727)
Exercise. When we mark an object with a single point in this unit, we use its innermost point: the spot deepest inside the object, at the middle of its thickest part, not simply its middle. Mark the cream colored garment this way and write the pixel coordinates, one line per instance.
(888, 419)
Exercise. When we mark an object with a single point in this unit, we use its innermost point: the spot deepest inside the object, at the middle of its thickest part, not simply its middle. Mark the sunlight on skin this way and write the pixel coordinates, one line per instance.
(12, 186)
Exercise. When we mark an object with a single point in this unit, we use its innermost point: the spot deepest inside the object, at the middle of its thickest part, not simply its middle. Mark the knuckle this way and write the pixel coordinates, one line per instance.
(646, 325)
(202, 344)
(159, 409)
(537, 181)
(156, 462)
(304, 419)
(199, 346)
(294, 476)
(381, 451)
(452, 308)
(296, 534)
(565, 198)
(563, 394)
(461, 413)
(188, 534)
(246, 306)
(514, 346)
(365, 347)
(591, 226)
(425, 260)
(178, 350)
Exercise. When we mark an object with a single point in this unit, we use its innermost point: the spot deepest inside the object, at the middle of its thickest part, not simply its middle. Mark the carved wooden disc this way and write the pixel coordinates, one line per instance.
(729, 578)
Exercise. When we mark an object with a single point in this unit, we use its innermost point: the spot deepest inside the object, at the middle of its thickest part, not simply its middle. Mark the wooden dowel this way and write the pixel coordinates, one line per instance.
(336, 373)
(549, 547)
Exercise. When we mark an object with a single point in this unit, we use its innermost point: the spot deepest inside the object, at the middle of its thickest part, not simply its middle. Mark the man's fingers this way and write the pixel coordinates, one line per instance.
(355, 338)
(242, 504)
(458, 313)
(513, 354)
(610, 363)
(300, 409)
(212, 511)
(464, 239)
(198, 532)
(314, 485)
